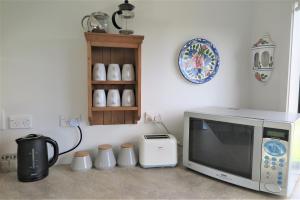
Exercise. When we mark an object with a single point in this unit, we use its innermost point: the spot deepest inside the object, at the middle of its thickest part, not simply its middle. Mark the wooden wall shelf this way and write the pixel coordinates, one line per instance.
(113, 82)
(114, 109)
(114, 48)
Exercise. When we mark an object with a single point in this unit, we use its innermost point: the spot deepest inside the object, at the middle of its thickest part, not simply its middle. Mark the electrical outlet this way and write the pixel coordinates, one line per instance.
(151, 117)
(20, 121)
(69, 121)
(8, 163)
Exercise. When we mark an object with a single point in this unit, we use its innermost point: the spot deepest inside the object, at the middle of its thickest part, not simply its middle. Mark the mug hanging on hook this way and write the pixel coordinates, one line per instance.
(126, 13)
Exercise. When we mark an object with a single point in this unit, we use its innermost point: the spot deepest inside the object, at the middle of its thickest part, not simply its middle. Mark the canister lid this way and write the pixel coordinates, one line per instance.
(104, 146)
(81, 154)
(127, 145)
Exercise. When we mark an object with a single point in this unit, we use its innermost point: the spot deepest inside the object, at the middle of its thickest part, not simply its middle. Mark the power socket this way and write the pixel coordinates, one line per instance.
(69, 121)
(150, 117)
(20, 121)
(8, 163)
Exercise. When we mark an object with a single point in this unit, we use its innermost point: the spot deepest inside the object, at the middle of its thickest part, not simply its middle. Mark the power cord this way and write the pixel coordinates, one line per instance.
(74, 123)
(158, 121)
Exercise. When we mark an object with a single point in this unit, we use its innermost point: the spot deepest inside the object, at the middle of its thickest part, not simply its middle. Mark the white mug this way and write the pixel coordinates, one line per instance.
(128, 97)
(99, 72)
(99, 98)
(127, 72)
(113, 72)
(113, 98)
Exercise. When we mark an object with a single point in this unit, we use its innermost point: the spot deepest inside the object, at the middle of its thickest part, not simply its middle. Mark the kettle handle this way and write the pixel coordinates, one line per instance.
(119, 12)
(82, 21)
(55, 153)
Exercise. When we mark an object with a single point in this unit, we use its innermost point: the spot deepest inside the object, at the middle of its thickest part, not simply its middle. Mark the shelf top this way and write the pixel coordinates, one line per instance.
(113, 38)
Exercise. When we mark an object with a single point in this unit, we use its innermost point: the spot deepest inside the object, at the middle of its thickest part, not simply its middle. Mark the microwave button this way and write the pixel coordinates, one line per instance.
(273, 188)
(275, 148)
(279, 178)
(273, 163)
(273, 167)
(281, 160)
(279, 182)
(281, 164)
(266, 162)
(266, 166)
(267, 157)
(274, 159)
(279, 173)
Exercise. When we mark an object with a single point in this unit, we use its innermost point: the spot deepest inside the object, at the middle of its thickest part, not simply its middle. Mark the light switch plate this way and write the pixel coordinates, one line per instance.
(20, 121)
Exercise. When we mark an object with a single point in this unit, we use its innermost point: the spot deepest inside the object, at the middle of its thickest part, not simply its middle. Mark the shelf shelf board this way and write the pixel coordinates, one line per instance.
(113, 82)
(114, 108)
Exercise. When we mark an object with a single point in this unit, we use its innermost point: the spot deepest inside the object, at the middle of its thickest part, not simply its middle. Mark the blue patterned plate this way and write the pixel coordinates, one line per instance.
(198, 60)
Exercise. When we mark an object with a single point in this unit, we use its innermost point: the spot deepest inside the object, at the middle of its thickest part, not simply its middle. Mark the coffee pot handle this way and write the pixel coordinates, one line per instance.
(55, 153)
(82, 21)
(119, 12)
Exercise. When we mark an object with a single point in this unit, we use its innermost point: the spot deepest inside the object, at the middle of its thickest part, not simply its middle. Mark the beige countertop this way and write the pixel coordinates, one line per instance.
(124, 183)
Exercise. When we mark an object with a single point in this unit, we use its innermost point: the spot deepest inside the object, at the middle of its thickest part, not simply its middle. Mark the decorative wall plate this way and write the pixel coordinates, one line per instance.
(198, 60)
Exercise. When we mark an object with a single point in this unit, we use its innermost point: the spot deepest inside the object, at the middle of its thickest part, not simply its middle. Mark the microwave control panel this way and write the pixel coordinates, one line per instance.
(274, 161)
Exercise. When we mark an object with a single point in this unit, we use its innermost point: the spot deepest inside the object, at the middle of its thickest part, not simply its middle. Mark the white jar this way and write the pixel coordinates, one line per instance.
(81, 161)
(105, 158)
(126, 157)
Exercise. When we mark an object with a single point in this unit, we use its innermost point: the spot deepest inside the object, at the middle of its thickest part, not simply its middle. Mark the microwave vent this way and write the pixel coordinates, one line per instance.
(150, 137)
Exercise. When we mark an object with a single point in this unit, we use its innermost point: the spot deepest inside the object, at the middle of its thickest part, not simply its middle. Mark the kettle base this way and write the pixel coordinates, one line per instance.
(32, 178)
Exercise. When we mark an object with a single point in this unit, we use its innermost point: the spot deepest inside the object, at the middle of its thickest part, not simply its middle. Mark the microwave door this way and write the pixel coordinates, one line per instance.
(225, 146)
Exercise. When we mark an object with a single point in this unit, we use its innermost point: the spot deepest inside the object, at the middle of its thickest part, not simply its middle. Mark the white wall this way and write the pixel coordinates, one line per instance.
(293, 89)
(45, 63)
(275, 18)
(1, 58)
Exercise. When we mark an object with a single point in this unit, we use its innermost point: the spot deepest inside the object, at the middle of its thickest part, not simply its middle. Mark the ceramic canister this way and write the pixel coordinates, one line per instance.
(105, 158)
(126, 157)
(81, 161)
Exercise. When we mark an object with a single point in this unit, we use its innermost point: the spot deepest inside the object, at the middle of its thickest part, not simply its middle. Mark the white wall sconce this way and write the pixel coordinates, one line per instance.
(263, 58)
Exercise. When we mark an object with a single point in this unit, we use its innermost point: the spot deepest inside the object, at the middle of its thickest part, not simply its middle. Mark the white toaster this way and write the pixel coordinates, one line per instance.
(157, 151)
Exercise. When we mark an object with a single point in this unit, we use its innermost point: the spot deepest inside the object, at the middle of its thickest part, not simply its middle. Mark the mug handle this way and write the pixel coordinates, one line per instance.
(55, 154)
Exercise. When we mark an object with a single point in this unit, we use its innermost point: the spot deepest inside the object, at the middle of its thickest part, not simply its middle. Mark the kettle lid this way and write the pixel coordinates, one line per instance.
(29, 137)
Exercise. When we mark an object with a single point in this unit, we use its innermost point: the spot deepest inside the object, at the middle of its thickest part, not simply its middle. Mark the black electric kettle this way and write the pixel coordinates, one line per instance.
(32, 157)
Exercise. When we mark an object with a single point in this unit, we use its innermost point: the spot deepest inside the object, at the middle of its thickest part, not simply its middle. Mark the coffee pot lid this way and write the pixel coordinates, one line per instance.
(126, 6)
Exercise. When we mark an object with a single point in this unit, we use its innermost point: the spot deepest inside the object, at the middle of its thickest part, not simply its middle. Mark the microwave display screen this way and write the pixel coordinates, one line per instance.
(224, 146)
(276, 133)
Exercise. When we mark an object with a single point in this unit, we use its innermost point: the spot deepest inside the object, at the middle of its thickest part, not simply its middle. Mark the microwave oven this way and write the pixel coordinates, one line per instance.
(255, 149)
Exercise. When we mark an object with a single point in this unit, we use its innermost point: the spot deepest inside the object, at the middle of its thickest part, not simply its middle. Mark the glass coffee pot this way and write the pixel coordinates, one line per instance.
(126, 13)
(96, 22)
